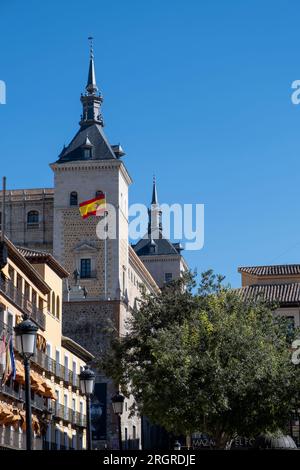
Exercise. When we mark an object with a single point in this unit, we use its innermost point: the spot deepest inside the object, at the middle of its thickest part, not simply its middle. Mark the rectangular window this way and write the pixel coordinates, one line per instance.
(57, 404)
(85, 268)
(66, 439)
(57, 439)
(66, 368)
(66, 406)
(10, 320)
(57, 359)
(41, 304)
(134, 432)
(74, 373)
(168, 277)
(19, 283)
(11, 273)
(81, 413)
(33, 300)
(26, 290)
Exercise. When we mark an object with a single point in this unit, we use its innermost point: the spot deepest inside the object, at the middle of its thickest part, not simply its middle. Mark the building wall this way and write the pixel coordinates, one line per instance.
(10, 314)
(159, 266)
(18, 204)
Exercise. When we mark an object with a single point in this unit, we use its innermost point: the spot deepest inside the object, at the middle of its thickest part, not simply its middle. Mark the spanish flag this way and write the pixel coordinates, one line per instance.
(94, 206)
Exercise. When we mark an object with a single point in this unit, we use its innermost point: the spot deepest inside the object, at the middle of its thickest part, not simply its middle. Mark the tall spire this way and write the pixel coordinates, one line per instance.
(155, 224)
(154, 192)
(91, 100)
(91, 86)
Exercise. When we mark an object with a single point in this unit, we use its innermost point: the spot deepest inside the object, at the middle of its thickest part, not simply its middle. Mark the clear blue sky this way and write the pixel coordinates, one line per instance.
(197, 92)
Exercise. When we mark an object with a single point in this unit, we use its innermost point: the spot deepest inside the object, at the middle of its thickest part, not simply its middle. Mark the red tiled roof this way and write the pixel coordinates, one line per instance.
(283, 293)
(36, 256)
(275, 270)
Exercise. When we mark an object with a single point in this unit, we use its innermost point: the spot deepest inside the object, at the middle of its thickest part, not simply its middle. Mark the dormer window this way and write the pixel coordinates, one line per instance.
(87, 153)
(73, 198)
(87, 149)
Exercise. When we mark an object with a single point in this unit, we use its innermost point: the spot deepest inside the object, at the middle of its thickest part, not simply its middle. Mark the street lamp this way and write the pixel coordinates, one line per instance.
(118, 404)
(26, 344)
(46, 420)
(87, 382)
(177, 445)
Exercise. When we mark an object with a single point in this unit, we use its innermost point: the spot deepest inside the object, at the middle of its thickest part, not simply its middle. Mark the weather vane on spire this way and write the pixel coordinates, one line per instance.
(90, 38)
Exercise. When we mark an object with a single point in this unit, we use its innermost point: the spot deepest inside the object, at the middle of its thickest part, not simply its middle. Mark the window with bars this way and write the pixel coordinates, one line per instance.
(85, 268)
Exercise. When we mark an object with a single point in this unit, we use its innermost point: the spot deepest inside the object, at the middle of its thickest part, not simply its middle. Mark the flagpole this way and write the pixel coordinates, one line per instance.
(105, 254)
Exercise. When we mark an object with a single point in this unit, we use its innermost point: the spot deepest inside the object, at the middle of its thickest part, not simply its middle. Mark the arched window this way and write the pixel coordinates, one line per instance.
(53, 304)
(99, 193)
(73, 198)
(57, 307)
(32, 217)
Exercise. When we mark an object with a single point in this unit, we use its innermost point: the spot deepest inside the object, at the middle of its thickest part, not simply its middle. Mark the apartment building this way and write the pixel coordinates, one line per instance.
(31, 283)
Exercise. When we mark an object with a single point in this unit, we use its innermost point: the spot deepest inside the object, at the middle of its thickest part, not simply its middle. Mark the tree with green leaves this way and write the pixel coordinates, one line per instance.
(211, 361)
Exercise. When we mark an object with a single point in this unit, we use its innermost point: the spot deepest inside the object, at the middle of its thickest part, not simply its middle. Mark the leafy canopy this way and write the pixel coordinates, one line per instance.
(212, 362)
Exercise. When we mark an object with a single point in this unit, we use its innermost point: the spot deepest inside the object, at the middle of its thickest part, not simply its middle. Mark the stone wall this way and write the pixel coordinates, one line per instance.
(87, 323)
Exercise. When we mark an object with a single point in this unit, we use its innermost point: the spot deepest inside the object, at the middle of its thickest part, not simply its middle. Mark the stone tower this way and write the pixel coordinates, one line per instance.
(97, 293)
(88, 165)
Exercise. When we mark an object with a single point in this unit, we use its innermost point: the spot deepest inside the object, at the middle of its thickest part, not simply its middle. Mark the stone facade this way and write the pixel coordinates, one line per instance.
(35, 230)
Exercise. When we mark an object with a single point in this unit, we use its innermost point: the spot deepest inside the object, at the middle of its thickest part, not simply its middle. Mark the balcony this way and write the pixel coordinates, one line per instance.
(18, 393)
(67, 414)
(50, 365)
(10, 291)
(13, 439)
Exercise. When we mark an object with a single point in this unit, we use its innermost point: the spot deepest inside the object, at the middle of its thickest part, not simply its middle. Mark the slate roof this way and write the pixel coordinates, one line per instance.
(163, 247)
(101, 149)
(275, 270)
(288, 293)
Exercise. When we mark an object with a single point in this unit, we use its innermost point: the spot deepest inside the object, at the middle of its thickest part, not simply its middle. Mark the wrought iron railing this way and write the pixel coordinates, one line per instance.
(37, 402)
(23, 303)
(60, 371)
(14, 439)
(67, 414)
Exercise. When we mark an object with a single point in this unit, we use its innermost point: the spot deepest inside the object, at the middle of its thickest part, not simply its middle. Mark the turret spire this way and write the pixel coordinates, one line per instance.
(91, 86)
(154, 192)
(155, 224)
(91, 100)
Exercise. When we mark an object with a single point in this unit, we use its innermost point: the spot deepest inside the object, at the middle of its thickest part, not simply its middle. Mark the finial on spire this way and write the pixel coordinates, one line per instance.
(154, 192)
(91, 86)
(91, 39)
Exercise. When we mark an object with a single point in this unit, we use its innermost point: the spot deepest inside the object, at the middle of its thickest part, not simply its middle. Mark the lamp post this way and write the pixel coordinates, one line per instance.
(118, 404)
(46, 420)
(87, 382)
(26, 344)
